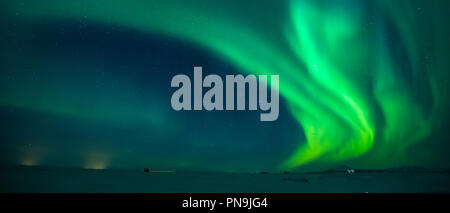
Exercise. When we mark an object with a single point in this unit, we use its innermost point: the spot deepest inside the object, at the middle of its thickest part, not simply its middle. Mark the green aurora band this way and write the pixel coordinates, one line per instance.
(341, 63)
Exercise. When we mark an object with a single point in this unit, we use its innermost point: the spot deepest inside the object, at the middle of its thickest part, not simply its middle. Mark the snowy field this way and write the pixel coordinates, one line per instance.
(36, 179)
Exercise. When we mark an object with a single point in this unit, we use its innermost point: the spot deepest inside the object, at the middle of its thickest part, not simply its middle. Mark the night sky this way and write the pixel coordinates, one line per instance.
(87, 83)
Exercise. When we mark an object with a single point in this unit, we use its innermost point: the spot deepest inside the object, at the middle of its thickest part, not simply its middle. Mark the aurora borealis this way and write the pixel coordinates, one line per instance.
(87, 83)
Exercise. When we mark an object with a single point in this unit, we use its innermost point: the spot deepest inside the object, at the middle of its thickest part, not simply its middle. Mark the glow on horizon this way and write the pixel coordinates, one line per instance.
(96, 160)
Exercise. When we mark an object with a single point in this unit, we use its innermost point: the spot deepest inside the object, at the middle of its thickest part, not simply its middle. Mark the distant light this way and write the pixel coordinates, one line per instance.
(28, 162)
(96, 160)
(31, 155)
(96, 166)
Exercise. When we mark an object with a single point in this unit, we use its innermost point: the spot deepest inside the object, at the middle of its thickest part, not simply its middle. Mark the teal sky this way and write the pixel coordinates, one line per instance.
(87, 83)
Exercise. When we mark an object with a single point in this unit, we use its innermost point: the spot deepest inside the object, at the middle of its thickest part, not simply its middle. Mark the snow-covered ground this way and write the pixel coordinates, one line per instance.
(36, 179)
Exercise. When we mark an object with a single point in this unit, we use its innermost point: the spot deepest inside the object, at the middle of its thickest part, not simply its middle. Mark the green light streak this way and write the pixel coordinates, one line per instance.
(333, 81)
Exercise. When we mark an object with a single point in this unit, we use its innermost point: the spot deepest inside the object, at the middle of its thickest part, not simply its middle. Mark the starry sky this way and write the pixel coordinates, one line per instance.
(87, 83)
